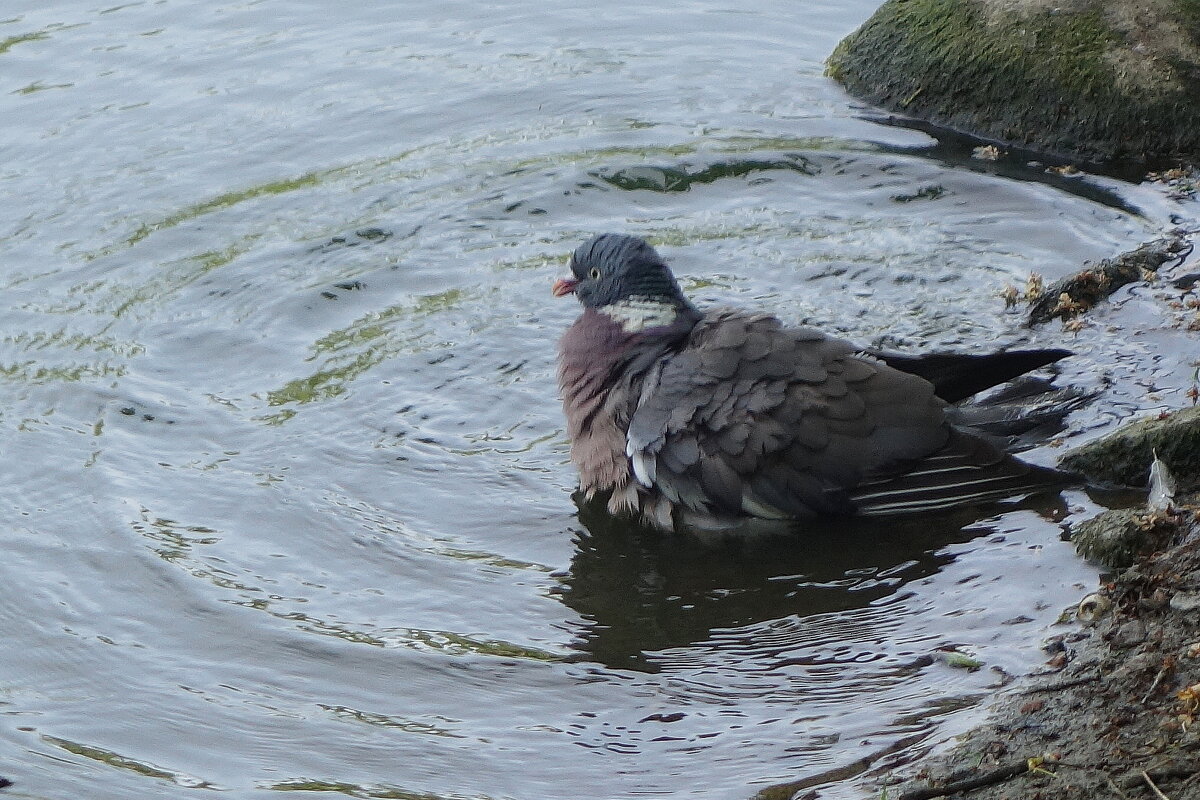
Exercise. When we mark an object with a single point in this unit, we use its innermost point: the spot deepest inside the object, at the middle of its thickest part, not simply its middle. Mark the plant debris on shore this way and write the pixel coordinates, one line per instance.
(1077, 293)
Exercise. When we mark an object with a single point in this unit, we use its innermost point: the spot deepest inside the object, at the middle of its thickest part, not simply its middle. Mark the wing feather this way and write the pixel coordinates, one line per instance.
(792, 421)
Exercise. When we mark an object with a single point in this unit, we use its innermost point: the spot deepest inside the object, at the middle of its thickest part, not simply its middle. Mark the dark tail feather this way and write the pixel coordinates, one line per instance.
(956, 377)
(1026, 411)
(967, 471)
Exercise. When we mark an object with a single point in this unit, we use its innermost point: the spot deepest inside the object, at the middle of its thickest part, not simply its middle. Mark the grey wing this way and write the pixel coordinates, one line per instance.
(751, 417)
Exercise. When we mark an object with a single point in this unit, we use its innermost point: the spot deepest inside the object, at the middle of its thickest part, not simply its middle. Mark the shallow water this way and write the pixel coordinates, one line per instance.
(286, 498)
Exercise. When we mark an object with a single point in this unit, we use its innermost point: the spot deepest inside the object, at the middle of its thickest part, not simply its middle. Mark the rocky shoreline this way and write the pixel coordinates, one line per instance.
(1115, 713)
(1116, 710)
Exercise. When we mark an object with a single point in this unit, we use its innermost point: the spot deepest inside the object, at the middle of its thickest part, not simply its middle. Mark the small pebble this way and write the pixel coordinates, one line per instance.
(1154, 601)
(1129, 634)
(1187, 602)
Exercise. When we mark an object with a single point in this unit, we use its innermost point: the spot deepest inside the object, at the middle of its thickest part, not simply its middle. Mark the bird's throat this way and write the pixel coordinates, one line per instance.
(636, 314)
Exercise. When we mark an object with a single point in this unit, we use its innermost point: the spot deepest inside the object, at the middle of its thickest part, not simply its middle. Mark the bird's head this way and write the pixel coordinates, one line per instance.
(614, 269)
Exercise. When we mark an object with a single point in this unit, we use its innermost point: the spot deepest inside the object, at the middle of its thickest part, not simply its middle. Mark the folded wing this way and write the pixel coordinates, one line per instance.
(754, 418)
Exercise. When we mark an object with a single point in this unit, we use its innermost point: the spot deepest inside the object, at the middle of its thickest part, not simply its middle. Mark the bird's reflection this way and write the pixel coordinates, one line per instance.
(642, 590)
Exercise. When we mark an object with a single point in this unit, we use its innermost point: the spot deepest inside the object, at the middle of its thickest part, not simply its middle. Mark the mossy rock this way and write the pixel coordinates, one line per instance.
(1123, 458)
(1116, 538)
(1086, 79)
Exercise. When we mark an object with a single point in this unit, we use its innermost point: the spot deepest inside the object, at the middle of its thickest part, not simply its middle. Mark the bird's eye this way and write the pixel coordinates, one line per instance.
(594, 273)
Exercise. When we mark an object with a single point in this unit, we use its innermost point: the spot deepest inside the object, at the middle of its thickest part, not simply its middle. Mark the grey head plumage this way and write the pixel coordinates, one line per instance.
(613, 268)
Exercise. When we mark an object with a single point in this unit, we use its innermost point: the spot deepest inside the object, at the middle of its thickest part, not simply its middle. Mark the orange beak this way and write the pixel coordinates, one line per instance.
(564, 286)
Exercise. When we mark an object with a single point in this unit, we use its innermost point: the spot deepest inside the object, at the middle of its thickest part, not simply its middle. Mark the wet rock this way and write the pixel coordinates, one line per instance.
(1186, 282)
(1154, 601)
(1134, 669)
(1180, 183)
(1166, 769)
(1123, 458)
(1126, 634)
(1090, 79)
(1113, 538)
(1058, 661)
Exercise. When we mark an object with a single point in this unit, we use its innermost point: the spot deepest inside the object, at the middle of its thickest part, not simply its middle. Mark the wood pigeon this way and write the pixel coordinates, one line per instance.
(707, 418)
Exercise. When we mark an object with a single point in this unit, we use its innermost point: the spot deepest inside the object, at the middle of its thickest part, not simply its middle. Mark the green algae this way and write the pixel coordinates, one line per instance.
(389, 721)
(357, 790)
(347, 353)
(112, 759)
(8, 43)
(38, 86)
(226, 200)
(31, 372)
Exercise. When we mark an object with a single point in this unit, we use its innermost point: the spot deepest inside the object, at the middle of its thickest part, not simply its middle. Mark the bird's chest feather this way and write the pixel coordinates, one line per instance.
(598, 392)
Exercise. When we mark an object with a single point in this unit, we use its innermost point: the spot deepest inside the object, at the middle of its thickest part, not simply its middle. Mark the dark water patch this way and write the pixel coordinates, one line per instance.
(962, 150)
(681, 178)
(644, 592)
(924, 193)
(359, 238)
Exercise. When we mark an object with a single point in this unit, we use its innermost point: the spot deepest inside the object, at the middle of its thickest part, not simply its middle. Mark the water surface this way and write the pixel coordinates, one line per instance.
(286, 500)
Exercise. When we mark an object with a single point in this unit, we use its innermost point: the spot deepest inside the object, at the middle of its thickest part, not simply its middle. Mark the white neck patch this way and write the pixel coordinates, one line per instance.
(635, 314)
